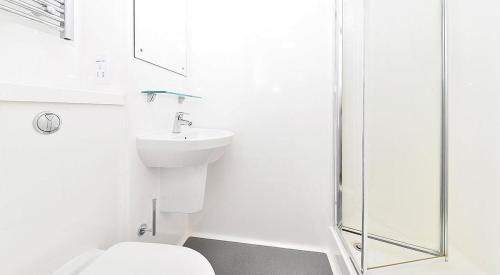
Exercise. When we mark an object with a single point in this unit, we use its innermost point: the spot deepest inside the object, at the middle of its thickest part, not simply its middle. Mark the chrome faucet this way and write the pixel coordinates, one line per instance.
(180, 121)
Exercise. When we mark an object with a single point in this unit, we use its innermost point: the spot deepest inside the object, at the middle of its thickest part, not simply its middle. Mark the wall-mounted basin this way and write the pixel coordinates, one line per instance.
(193, 147)
(184, 159)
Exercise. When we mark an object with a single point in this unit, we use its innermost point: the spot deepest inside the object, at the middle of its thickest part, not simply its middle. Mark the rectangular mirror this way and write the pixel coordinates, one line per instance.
(160, 33)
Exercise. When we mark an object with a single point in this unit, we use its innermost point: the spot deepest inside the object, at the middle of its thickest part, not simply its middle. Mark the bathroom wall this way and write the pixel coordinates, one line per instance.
(265, 70)
(96, 191)
(32, 54)
(83, 187)
(474, 41)
(60, 194)
(144, 117)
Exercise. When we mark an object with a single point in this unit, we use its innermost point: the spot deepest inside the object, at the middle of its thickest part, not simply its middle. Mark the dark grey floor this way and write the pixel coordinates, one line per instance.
(229, 258)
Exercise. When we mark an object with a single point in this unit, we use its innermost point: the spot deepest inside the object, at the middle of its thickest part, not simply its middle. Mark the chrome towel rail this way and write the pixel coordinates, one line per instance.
(49, 5)
(57, 14)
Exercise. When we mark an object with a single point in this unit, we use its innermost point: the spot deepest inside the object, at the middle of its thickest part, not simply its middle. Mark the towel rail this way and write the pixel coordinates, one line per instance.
(36, 10)
(56, 14)
(31, 17)
(47, 4)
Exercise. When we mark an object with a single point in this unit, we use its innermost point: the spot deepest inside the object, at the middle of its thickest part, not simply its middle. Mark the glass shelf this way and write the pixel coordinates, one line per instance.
(170, 93)
(152, 94)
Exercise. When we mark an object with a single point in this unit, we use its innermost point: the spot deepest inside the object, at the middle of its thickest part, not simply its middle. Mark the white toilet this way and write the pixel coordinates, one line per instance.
(132, 258)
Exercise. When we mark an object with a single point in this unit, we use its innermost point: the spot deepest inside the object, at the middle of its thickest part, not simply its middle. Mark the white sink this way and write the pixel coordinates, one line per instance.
(184, 160)
(193, 147)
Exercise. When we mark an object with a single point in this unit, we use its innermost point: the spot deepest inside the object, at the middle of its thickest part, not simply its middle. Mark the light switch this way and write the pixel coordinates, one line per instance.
(101, 69)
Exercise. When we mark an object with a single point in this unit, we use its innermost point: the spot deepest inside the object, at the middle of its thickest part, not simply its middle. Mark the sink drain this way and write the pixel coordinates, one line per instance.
(358, 246)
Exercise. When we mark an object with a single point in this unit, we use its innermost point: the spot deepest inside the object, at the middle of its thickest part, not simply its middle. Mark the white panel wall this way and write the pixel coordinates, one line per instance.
(60, 194)
(144, 117)
(265, 69)
(85, 186)
(32, 54)
(294, 204)
(475, 131)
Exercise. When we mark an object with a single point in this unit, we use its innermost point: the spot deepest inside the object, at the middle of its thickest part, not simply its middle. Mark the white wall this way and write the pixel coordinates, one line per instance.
(242, 70)
(32, 54)
(145, 117)
(83, 187)
(474, 40)
(60, 194)
(262, 190)
(265, 71)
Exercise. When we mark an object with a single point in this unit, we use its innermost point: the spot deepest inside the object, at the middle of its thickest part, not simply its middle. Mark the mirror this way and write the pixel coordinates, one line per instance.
(160, 33)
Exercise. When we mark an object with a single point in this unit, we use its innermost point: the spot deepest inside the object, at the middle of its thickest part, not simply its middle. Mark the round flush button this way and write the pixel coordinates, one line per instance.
(47, 122)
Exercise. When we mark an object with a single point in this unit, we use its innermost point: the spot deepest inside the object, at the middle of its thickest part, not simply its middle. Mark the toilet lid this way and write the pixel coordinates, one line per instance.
(149, 259)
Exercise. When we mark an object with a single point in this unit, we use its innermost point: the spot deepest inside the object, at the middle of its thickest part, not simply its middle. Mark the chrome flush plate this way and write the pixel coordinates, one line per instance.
(47, 123)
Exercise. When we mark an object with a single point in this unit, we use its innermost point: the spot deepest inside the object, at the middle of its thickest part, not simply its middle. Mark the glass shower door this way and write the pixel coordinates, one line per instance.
(403, 129)
(392, 192)
(351, 188)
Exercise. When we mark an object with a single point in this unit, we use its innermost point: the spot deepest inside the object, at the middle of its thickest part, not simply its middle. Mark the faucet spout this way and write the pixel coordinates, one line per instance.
(180, 121)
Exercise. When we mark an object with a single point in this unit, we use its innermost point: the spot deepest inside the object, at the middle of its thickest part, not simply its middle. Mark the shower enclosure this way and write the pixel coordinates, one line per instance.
(391, 132)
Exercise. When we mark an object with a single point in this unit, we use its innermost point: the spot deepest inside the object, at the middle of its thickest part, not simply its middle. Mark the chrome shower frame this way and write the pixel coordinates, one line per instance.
(362, 267)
